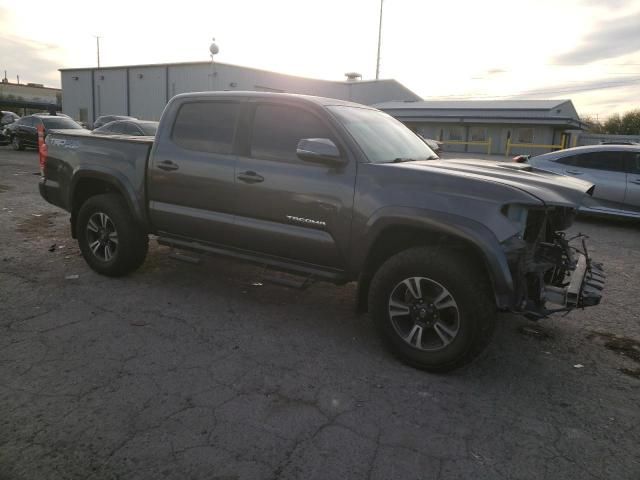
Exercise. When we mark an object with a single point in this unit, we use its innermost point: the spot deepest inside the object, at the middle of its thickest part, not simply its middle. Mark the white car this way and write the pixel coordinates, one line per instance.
(614, 169)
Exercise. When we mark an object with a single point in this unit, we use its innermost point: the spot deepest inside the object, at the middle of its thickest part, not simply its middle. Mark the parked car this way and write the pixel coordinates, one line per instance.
(336, 191)
(104, 119)
(6, 118)
(434, 145)
(23, 133)
(620, 142)
(614, 169)
(136, 128)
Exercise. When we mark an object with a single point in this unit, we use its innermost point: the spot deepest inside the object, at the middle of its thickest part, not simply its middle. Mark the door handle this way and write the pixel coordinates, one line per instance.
(573, 172)
(250, 177)
(167, 165)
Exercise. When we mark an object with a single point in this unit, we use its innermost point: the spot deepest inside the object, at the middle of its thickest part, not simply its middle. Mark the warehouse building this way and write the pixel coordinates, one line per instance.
(482, 126)
(26, 98)
(142, 91)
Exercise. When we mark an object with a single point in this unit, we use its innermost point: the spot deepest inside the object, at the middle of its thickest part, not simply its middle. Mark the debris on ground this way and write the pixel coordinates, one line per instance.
(534, 331)
(632, 372)
(52, 248)
(627, 347)
(578, 365)
(72, 277)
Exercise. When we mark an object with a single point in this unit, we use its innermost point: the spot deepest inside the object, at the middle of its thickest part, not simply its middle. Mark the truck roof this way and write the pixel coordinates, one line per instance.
(252, 94)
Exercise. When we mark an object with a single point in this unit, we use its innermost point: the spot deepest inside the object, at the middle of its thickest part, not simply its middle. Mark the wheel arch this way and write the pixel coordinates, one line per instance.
(86, 184)
(390, 234)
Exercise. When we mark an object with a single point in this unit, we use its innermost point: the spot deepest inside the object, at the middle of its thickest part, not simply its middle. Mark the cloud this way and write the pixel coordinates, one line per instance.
(608, 4)
(565, 89)
(34, 62)
(611, 38)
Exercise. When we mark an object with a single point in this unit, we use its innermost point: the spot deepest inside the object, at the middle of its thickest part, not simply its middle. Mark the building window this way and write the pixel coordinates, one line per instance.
(478, 134)
(525, 135)
(456, 134)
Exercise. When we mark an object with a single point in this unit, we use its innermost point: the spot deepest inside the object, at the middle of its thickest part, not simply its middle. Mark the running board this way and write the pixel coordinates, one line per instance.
(275, 263)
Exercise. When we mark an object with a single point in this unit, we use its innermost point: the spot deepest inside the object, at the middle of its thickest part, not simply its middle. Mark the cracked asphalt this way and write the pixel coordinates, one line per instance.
(209, 372)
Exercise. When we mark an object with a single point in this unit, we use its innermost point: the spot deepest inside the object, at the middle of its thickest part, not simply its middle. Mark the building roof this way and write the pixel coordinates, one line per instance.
(551, 112)
(208, 64)
(475, 104)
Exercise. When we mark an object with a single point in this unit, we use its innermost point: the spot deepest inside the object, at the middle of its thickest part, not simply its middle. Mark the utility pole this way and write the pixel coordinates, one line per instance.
(98, 48)
(379, 40)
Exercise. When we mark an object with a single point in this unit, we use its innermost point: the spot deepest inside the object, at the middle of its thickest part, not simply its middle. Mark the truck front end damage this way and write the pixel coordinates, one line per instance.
(551, 272)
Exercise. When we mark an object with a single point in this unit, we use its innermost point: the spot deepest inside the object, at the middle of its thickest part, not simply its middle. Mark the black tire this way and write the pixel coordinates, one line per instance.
(127, 249)
(16, 143)
(469, 308)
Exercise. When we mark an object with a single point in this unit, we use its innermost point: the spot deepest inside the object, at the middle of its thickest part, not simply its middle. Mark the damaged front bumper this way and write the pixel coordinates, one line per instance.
(552, 273)
(584, 288)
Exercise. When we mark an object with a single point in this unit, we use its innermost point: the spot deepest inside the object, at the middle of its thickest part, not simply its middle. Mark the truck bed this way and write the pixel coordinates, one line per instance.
(74, 154)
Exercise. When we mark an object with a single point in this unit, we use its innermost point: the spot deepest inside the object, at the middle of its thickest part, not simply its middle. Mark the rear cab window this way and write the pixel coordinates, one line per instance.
(206, 126)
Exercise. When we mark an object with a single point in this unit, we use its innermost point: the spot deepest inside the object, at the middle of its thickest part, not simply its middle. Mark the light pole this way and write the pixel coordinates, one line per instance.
(98, 48)
(379, 40)
(213, 50)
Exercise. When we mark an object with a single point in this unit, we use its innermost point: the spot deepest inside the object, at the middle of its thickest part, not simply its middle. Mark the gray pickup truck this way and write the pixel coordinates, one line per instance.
(334, 191)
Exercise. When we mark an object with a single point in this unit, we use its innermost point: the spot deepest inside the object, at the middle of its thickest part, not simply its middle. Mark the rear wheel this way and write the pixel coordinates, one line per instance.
(434, 310)
(16, 143)
(110, 240)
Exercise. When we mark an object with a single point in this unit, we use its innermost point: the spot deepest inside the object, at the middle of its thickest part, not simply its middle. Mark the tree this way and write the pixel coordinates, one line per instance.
(593, 124)
(613, 124)
(631, 123)
(627, 124)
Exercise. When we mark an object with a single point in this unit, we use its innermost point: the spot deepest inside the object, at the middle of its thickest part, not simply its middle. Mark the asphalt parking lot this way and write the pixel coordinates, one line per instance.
(209, 372)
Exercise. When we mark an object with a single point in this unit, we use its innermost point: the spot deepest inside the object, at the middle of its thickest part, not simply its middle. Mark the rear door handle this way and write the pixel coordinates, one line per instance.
(167, 165)
(573, 172)
(250, 177)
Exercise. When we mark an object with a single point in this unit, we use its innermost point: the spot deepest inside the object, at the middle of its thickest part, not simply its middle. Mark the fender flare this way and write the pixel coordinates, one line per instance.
(114, 179)
(484, 241)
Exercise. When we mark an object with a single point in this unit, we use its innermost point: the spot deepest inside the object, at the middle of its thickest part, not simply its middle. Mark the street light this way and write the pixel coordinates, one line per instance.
(213, 50)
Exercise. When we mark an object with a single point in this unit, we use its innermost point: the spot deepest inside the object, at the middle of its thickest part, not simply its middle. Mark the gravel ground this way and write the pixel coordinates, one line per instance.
(207, 372)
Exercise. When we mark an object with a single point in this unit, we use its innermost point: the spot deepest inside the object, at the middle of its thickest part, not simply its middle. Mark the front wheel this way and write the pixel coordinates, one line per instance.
(110, 240)
(433, 309)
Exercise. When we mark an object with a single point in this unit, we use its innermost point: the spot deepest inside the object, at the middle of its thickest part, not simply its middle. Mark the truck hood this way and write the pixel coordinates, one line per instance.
(549, 187)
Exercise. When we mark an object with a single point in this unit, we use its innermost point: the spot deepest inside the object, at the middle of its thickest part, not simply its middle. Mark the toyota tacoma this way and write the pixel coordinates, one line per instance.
(334, 191)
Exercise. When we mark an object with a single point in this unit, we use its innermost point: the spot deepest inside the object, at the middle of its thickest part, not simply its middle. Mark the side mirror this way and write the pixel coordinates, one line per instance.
(319, 150)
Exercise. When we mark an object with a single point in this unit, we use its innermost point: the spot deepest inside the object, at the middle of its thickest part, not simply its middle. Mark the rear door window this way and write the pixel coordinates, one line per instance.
(612, 161)
(633, 162)
(206, 126)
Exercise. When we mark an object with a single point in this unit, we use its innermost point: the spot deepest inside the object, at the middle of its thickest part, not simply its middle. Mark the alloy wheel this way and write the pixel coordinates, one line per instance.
(424, 313)
(102, 236)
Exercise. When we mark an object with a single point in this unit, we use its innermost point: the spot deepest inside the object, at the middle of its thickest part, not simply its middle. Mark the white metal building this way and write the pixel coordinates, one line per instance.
(142, 91)
(467, 125)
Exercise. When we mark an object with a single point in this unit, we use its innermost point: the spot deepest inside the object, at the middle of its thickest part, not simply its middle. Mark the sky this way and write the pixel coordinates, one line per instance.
(584, 50)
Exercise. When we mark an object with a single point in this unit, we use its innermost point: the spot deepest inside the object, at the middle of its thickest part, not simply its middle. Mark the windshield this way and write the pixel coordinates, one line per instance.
(59, 122)
(382, 138)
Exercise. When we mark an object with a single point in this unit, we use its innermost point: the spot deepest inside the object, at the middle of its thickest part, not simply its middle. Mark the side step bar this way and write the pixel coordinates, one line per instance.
(275, 263)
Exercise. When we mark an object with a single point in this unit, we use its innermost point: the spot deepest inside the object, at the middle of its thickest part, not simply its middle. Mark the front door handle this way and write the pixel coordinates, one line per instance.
(167, 165)
(573, 172)
(250, 177)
